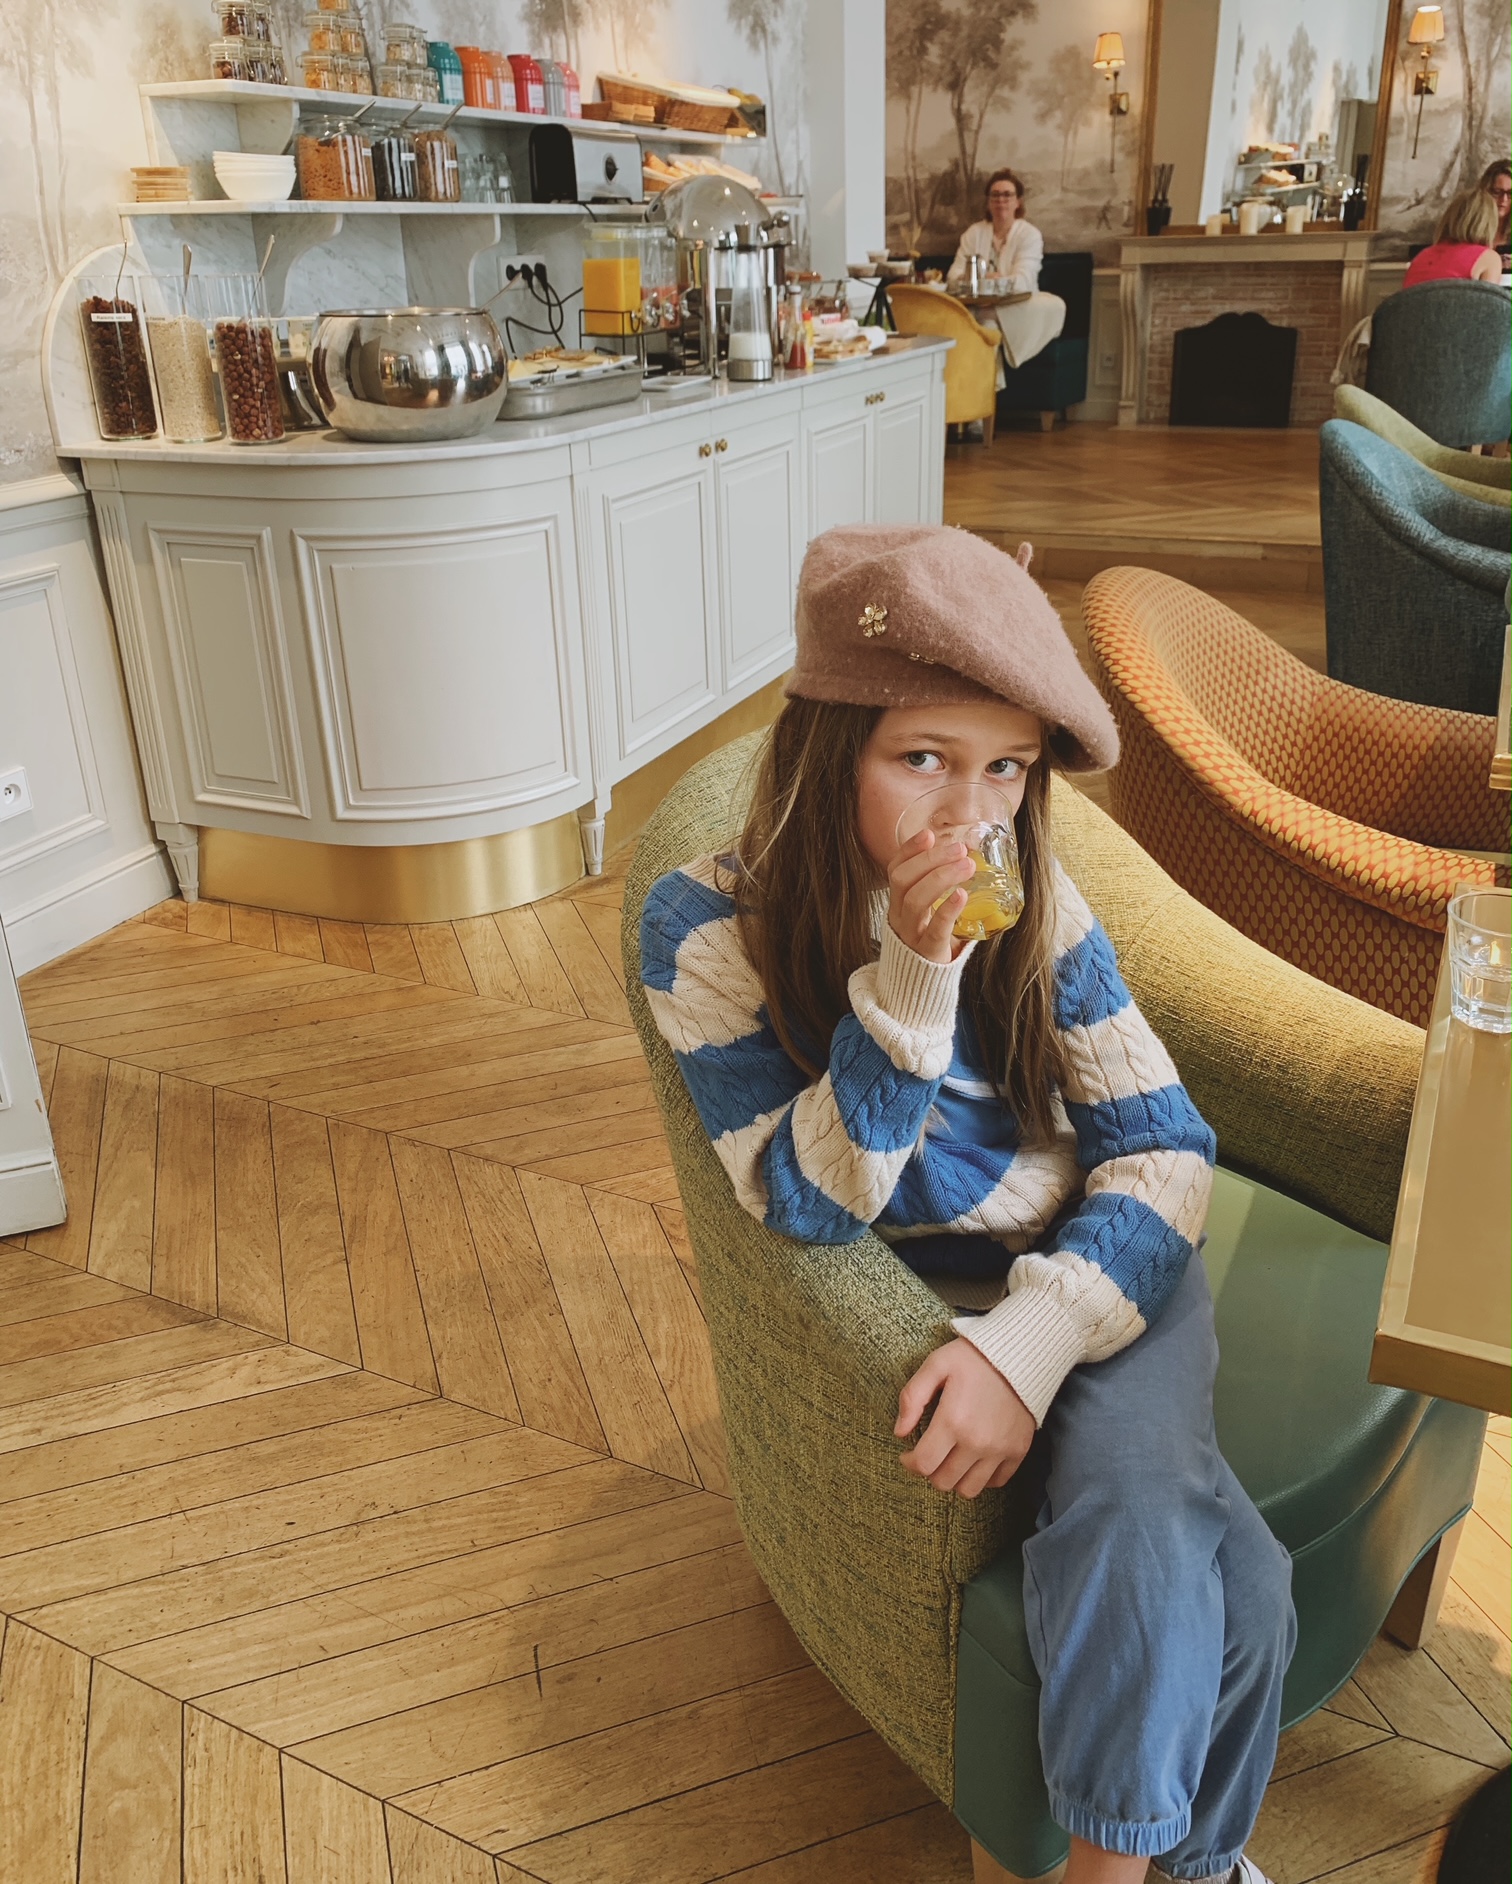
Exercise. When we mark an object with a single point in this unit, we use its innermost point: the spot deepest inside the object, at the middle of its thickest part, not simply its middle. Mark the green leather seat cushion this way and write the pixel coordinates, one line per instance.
(1309, 1437)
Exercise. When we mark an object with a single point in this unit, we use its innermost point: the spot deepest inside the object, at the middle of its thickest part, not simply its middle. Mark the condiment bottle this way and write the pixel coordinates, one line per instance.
(799, 358)
(529, 83)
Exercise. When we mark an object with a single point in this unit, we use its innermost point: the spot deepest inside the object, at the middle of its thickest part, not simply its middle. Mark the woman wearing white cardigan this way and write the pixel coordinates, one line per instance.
(1012, 250)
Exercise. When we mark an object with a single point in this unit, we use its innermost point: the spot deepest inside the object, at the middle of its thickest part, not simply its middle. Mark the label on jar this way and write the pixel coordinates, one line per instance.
(114, 319)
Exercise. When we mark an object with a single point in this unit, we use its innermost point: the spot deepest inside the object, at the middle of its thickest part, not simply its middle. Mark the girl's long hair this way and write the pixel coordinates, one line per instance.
(804, 890)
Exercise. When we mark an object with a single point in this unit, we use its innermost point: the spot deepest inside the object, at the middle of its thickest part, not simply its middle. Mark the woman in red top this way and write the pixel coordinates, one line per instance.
(1461, 244)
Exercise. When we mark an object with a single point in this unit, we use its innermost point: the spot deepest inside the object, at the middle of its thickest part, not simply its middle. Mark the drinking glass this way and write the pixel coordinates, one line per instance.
(982, 819)
(1480, 958)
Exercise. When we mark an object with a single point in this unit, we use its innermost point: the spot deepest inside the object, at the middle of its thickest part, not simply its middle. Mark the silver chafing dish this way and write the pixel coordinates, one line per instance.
(408, 375)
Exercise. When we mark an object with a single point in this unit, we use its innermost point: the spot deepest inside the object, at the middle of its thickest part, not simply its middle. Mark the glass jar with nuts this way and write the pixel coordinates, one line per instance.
(246, 358)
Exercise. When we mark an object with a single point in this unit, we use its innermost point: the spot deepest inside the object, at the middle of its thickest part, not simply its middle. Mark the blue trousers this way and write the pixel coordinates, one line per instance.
(1158, 1604)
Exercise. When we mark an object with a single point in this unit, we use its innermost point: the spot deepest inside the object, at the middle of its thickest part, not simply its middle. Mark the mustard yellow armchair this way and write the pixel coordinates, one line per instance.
(971, 368)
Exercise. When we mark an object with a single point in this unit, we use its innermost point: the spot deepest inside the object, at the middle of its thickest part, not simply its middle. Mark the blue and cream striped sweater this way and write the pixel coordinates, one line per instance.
(904, 1132)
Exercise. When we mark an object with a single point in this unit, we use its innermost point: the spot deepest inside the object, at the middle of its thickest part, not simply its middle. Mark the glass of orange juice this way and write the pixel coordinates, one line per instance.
(982, 820)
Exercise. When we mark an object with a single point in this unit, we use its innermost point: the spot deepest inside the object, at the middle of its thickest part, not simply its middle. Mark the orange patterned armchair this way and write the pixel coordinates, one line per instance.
(1328, 824)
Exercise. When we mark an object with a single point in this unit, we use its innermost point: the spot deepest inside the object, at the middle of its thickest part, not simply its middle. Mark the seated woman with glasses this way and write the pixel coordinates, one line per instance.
(1462, 246)
(1497, 181)
(1009, 251)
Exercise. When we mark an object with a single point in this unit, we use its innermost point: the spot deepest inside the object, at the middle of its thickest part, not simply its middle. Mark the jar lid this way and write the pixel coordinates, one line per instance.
(326, 21)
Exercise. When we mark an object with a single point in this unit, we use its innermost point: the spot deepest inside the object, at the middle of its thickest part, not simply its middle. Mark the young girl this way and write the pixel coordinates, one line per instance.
(995, 1109)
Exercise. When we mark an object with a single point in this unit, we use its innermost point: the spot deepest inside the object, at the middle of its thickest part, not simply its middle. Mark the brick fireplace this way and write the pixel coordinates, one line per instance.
(1313, 282)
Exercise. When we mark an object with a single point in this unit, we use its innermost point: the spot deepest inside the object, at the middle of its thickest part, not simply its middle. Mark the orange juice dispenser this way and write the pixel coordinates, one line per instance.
(612, 282)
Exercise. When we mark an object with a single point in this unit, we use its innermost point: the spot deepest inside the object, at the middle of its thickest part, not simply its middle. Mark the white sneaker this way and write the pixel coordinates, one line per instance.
(1248, 1872)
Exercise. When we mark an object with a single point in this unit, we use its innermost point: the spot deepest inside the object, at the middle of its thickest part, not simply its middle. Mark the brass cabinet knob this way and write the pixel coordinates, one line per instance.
(705, 450)
(721, 444)
(876, 398)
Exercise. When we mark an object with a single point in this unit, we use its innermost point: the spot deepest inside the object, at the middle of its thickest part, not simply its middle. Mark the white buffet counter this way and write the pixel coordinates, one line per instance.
(394, 683)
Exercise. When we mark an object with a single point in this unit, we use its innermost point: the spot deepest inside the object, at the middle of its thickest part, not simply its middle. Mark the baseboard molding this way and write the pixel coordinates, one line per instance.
(66, 918)
(31, 1198)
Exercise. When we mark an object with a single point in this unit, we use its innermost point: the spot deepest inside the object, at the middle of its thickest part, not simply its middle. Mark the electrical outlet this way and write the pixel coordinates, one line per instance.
(15, 793)
(521, 307)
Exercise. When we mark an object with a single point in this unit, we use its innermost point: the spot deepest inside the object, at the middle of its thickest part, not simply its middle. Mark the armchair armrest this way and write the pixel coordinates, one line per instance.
(1307, 1088)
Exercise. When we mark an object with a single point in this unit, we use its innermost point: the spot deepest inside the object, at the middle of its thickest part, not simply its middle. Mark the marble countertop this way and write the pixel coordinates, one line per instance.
(307, 449)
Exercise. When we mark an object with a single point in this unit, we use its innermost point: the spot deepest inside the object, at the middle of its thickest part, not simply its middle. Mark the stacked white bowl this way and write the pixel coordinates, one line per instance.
(254, 176)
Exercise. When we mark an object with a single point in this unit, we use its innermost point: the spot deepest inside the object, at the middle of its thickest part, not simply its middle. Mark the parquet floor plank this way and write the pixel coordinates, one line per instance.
(167, 915)
(258, 1368)
(440, 956)
(133, 1783)
(613, 1081)
(253, 928)
(542, 975)
(741, 1824)
(544, 1366)
(1422, 1703)
(627, 1395)
(80, 1328)
(317, 1286)
(601, 994)
(298, 935)
(614, 1520)
(75, 1113)
(489, 962)
(282, 1460)
(346, 944)
(120, 1242)
(602, 921)
(249, 1260)
(370, 1685)
(233, 1806)
(211, 981)
(385, 1295)
(44, 1719)
(629, 1120)
(671, 1325)
(29, 1386)
(184, 1225)
(45, 1055)
(469, 1356)
(392, 951)
(546, 1706)
(46, 1296)
(540, 1795)
(212, 919)
(333, 1834)
(1483, 1570)
(1475, 1656)
(924, 1846)
(420, 1854)
(205, 1428)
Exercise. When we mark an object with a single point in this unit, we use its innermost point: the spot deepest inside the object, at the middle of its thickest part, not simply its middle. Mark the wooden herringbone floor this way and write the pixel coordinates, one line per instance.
(363, 1512)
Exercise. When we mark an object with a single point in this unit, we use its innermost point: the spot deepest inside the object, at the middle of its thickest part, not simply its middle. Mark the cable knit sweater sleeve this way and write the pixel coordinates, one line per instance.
(1148, 1158)
(816, 1160)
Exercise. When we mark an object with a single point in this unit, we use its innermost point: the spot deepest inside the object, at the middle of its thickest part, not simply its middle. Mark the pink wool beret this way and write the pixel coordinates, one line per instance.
(902, 615)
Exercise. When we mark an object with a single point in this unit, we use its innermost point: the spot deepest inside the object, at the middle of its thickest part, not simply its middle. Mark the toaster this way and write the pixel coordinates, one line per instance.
(578, 167)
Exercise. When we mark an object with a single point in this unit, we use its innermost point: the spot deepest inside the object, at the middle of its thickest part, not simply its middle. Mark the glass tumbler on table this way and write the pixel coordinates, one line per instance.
(1480, 960)
(982, 819)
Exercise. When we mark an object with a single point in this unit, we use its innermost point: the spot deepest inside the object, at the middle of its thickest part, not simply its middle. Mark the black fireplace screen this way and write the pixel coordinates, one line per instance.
(1237, 370)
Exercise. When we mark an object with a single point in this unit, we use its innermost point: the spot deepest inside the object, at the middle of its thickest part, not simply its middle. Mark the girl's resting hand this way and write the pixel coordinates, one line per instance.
(980, 1431)
(919, 877)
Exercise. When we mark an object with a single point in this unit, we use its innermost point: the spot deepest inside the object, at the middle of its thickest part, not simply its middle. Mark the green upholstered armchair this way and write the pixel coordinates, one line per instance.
(911, 1600)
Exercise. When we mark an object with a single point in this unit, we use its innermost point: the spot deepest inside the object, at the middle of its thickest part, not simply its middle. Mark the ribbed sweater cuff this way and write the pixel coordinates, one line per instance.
(919, 995)
(1032, 1342)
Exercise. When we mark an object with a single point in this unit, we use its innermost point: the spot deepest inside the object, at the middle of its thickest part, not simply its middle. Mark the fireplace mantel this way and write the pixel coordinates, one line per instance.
(1348, 252)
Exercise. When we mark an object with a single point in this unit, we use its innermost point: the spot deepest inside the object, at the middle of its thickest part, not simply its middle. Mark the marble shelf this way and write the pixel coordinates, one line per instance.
(340, 206)
(240, 91)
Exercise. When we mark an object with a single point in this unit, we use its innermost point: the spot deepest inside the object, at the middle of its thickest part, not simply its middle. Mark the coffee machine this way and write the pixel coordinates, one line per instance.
(730, 249)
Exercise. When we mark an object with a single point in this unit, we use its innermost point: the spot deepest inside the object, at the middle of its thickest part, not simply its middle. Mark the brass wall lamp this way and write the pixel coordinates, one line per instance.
(1425, 32)
(1108, 58)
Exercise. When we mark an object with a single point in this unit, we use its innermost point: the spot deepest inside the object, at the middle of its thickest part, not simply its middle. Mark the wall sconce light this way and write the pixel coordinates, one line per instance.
(1108, 58)
(1425, 32)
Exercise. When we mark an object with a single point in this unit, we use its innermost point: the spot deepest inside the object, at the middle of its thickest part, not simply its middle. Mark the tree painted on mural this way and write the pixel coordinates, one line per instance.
(759, 22)
(912, 31)
(1297, 101)
(1065, 95)
(631, 25)
(975, 64)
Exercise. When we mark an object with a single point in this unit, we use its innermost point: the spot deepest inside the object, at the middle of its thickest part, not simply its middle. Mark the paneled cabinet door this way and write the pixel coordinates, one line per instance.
(654, 537)
(756, 488)
(901, 480)
(838, 464)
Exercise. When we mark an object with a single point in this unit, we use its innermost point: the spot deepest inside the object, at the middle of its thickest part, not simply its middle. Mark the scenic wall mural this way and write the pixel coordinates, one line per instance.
(71, 121)
(973, 84)
(1465, 125)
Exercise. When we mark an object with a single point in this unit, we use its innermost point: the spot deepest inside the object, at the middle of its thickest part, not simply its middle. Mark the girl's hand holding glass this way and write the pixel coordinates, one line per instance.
(925, 895)
(978, 820)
